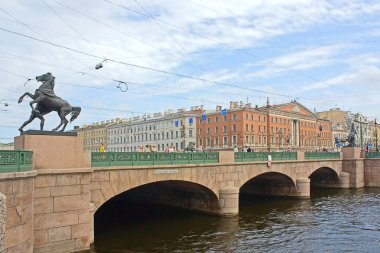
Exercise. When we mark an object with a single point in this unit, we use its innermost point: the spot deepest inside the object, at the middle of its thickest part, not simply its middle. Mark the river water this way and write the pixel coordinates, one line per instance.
(330, 221)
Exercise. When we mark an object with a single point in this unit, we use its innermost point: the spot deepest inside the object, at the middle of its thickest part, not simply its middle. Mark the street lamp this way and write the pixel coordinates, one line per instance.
(377, 147)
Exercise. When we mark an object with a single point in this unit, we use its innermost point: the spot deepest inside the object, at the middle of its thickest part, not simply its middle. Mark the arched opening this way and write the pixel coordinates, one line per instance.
(269, 184)
(122, 221)
(324, 178)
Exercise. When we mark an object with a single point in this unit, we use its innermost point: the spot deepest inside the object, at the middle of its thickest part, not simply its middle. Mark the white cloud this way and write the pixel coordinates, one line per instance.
(139, 40)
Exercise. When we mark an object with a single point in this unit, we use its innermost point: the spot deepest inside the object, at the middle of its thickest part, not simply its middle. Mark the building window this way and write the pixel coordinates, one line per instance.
(253, 139)
(216, 119)
(208, 130)
(216, 130)
(234, 116)
(208, 120)
(234, 127)
(234, 138)
(224, 129)
(252, 128)
(225, 117)
(225, 140)
(246, 116)
(246, 127)
(216, 141)
(208, 142)
(246, 138)
(190, 133)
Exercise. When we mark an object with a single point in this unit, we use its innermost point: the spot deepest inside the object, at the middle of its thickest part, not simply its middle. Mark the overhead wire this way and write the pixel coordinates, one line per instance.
(39, 34)
(116, 29)
(169, 34)
(148, 68)
(215, 40)
(102, 78)
(71, 27)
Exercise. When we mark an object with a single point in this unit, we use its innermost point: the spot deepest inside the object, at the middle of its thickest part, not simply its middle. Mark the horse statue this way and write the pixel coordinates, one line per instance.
(351, 136)
(47, 102)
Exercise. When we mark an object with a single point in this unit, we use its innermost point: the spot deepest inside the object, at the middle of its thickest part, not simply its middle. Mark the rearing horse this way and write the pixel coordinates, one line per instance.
(47, 102)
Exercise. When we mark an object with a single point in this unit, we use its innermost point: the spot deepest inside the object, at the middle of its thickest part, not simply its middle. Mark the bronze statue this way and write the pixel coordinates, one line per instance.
(47, 101)
(351, 136)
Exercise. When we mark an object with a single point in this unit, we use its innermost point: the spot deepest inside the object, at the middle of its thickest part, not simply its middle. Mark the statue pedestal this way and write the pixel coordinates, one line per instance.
(351, 152)
(54, 150)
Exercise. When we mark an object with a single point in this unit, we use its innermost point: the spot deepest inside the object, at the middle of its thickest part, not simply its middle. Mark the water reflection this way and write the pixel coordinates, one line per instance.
(332, 220)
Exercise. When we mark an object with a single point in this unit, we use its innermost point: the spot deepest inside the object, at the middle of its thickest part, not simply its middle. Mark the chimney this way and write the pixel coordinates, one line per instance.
(241, 104)
(218, 108)
(231, 105)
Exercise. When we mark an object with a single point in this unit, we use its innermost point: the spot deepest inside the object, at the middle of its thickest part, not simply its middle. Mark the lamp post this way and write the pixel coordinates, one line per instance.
(377, 147)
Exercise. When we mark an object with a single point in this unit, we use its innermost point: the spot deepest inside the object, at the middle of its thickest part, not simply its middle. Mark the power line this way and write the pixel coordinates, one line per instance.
(71, 27)
(167, 32)
(148, 68)
(215, 40)
(113, 28)
(27, 26)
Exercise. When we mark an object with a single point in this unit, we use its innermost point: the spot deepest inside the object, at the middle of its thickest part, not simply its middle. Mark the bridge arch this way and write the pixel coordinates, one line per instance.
(325, 177)
(176, 193)
(270, 184)
(108, 184)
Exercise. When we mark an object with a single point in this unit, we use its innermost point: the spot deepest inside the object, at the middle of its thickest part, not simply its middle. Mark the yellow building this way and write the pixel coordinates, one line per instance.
(93, 135)
(375, 134)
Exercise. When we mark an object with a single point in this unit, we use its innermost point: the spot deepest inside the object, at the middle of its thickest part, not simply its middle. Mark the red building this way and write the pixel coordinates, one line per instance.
(289, 126)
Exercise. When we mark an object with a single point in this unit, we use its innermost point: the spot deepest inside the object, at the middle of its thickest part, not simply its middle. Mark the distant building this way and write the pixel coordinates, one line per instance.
(342, 122)
(339, 125)
(375, 134)
(7, 146)
(93, 135)
(272, 127)
(155, 132)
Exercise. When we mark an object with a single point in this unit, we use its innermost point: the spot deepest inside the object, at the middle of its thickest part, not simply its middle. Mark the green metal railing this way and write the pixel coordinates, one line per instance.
(15, 160)
(263, 156)
(372, 155)
(321, 155)
(139, 158)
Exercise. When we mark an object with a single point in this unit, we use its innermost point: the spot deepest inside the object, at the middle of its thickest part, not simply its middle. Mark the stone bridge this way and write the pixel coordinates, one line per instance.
(53, 208)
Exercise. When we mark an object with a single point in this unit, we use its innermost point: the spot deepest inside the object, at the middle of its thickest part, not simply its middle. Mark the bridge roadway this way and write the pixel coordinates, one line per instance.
(54, 210)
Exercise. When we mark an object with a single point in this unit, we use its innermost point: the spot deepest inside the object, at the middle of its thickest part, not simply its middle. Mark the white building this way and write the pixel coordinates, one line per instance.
(7, 146)
(153, 132)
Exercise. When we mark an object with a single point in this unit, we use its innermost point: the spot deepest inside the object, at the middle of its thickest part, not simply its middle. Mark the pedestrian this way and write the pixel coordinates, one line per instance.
(101, 148)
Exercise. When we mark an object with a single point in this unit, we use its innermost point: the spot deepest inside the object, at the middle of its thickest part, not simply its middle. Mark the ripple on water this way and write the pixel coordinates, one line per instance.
(331, 221)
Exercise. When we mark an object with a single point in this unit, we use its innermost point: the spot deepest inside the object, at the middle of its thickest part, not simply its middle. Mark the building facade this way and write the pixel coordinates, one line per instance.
(7, 146)
(156, 132)
(289, 126)
(93, 135)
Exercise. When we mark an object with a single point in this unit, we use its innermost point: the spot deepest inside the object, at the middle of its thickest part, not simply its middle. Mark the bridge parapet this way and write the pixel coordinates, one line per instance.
(15, 161)
(156, 158)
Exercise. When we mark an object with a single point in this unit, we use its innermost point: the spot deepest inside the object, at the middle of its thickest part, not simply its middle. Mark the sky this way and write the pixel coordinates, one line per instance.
(168, 54)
